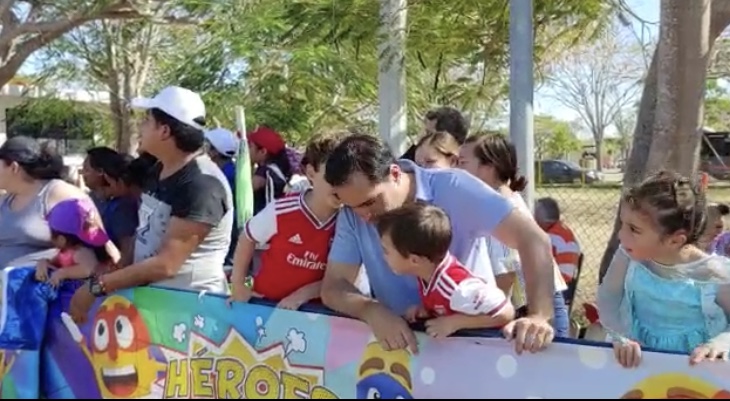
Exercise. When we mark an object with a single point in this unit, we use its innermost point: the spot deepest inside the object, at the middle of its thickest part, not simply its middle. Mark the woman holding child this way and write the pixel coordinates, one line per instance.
(30, 173)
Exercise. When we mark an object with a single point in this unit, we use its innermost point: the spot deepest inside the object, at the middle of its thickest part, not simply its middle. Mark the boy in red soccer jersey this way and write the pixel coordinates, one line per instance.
(416, 239)
(297, 230)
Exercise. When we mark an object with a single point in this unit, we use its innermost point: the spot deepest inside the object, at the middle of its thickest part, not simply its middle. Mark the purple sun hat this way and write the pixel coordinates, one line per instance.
(76, 217)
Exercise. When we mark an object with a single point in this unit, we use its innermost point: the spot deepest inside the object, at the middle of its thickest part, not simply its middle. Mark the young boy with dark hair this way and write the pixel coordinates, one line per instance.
(416, 239)
(297, 231)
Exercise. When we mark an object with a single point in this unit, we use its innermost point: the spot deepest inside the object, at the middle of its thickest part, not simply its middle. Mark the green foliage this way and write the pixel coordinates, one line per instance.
(302, 65)
(58, 119)
(554, 139)
(717, 106)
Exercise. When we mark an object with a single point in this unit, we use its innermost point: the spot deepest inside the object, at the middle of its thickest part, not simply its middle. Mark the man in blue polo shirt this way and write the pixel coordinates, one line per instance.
(366, 178)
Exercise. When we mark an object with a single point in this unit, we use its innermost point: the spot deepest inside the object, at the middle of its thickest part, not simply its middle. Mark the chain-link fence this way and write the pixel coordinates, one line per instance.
(590, 210)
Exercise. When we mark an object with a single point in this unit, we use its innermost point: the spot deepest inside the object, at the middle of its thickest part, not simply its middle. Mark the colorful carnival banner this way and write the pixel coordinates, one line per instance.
(18, 374)
(155, 343)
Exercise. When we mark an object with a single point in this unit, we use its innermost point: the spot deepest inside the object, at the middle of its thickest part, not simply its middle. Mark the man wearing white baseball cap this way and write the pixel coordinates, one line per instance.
(186, 213)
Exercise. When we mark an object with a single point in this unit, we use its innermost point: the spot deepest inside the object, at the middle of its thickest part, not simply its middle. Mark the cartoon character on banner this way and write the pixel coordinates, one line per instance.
(675, 386)
(7, 359)
(384, 374)
(120, 351)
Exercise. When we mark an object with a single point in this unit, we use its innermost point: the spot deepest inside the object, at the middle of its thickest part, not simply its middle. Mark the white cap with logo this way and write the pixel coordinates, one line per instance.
(179, 103)
(223, 141)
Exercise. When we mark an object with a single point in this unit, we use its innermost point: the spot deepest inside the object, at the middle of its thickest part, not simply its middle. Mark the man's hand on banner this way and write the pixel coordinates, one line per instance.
(531, 333)
(81, 304)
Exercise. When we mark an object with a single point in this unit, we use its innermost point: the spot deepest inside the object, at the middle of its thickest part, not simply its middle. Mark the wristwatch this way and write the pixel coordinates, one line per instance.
(96, 286)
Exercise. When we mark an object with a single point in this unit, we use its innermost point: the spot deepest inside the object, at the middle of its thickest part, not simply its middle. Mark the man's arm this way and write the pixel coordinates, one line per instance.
(181, 239)
(195, 210)
(520, 232)
(493, 214)
(338, 286)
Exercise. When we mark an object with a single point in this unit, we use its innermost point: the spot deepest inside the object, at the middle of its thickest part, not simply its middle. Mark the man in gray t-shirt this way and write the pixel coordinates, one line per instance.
(186, 214)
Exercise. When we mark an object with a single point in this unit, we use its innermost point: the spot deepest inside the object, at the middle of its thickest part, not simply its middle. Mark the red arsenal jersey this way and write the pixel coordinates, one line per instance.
(298, 244)
(453, 289)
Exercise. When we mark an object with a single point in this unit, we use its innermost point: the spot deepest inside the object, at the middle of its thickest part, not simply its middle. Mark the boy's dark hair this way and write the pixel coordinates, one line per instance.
(450, 120)
(320, 147)
(417, 229)
(675, 203)
(723, 208)
(497, 151)
(107, 161)
(140, 170)
(548, 208)
(187, 138)
(359, 153)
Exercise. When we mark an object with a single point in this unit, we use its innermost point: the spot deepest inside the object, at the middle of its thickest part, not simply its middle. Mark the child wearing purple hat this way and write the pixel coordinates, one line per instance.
(80, 240)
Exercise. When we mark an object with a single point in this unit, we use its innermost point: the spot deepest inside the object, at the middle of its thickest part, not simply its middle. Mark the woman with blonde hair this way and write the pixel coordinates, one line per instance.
(437, 150)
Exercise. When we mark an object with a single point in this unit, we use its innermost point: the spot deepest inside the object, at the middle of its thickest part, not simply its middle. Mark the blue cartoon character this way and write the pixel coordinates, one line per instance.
(384, 374)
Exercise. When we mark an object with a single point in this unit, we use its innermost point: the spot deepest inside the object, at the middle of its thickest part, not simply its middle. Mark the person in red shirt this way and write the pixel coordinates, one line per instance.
(297, 231)
(416, 239)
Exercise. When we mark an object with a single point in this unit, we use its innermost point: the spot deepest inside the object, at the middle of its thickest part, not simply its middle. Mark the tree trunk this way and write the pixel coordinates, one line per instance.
(636, 165)
(683, 54)
(128, 136)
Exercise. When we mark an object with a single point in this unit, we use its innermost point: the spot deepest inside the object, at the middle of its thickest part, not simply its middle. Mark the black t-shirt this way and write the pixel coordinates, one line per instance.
(192, 193)
(197, 192)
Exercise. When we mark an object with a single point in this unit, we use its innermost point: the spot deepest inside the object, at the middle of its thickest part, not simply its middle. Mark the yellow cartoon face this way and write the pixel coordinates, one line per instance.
(384, 374)
(119, 351)
(676, 386)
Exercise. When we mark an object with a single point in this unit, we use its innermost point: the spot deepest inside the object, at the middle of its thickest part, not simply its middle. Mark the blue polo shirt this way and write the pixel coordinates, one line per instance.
(475, 211)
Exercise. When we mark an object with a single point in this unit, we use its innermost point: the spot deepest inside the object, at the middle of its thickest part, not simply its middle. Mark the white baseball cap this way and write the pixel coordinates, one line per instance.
(223, 141)
(181, 104)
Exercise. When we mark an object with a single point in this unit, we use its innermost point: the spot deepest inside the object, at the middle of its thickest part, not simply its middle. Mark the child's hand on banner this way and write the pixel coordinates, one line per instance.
(240, 293)
(627, 352)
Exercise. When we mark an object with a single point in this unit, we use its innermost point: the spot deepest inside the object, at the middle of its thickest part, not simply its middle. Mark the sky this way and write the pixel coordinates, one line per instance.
(647, 10)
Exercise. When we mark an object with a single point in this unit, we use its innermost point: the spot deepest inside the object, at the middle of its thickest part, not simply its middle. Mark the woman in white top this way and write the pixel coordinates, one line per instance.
(493, 159)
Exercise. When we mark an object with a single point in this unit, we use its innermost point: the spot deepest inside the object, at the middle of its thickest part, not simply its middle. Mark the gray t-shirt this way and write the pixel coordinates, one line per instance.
(197, 192)
(25, 237)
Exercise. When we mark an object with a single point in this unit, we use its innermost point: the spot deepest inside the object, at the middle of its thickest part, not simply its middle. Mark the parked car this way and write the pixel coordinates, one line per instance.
(715, 168)
(564, 171)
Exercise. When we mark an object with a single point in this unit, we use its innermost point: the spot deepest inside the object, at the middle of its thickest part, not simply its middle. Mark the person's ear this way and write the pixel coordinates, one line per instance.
(678, 239)
(454, 161)
(395, 173)
(14, 167)
(309, 172)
